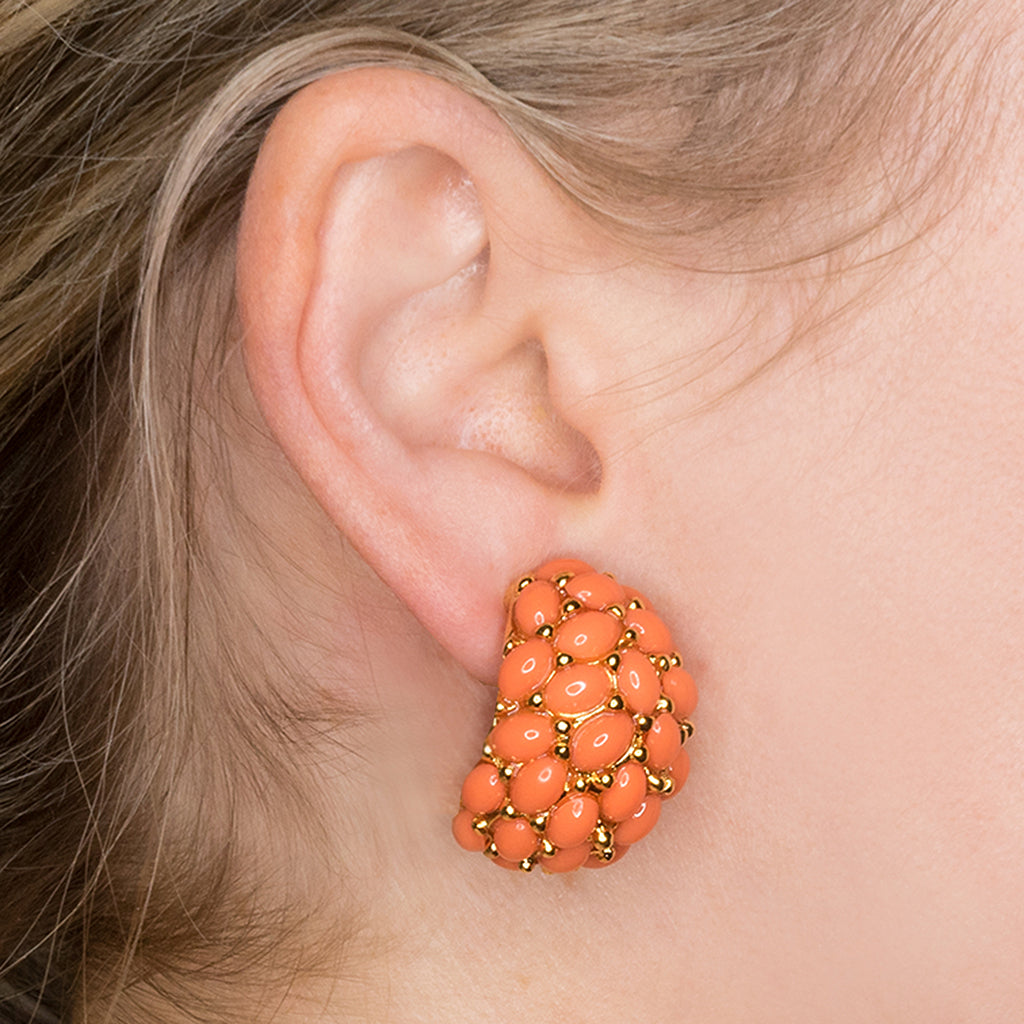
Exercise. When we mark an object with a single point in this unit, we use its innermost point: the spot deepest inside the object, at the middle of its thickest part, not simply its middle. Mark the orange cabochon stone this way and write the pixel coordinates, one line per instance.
(538, 784)
(653, 636)
(600, 741)
(596, 590)
(523, 736)
(537, 604)
(663, 741)
(560, 567)
(484, 789)
(514, 838)
(638, 682)
(640, 822)
(577, 689)
(524, 669)
(465, 835)
(626, 793)
(569, 859)
(593, 861)
(588, 636)
(572, 821)
(680, 770)
(678, 685)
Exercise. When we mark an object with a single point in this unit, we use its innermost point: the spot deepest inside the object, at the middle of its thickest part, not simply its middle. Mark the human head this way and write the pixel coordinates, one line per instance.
(702, 139)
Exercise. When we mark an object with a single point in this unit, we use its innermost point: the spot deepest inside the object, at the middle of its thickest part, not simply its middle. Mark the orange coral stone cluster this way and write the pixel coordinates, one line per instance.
(588, 731)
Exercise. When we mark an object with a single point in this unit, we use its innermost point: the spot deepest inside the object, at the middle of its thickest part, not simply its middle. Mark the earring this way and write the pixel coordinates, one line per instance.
(589, 726)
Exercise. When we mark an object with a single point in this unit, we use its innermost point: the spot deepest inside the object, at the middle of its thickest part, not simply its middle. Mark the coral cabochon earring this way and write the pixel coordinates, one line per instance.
(589, 727)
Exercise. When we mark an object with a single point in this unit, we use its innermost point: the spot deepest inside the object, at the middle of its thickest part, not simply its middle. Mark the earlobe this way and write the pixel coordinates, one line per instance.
(391, 336)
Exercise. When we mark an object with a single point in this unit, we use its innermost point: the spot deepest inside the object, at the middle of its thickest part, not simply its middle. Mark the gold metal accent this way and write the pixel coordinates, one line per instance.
(668, 785)
(562, 727)
(685, 729)
(664, 664)
(570, 606)
(614, 609)
(548, 848)
(613, 661)
(606, 854)
(526, 865)
(677, 661)
(546, 631)
(524, 582)
(605, 780)
(562, 578)
(507, 772)
(563, 659)
(481, 824)
(616, 703)
(635, 604)
(665, 704)
(508, 811)
(655, 782)
(491, 851)
(581, 784)
(644, 723)
(510, 646)
(536, 699)
(561, 751)
(602, 836)
(639, 754)
(540, 822)
(488, 750)
(630, 635)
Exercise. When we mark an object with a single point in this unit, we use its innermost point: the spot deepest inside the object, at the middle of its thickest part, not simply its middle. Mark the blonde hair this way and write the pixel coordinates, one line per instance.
(127, 135)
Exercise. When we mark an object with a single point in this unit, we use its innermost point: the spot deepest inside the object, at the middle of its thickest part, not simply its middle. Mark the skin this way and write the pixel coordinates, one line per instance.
(836, 544)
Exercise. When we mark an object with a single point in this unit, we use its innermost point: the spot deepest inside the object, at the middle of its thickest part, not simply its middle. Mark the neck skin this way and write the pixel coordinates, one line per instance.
(840, 546)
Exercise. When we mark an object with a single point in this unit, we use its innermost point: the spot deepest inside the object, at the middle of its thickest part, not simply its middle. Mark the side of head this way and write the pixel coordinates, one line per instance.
(317, 328)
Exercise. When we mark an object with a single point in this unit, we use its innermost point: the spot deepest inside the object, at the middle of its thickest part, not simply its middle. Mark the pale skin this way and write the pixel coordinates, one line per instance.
(837, 546)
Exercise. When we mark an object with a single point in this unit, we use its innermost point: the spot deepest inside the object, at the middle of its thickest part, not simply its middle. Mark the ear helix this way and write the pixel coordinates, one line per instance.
(589, 727)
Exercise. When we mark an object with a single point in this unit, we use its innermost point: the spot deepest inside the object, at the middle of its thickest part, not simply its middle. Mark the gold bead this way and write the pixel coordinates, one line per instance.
(563, 727)
(509, 646)
(663, 663)
(547, 848)
(630, 635)
(613, 661)
(536, 699)
(561, 751)
(540, 822)
(639, 754)
(508, 811)
(614, 609)
(635, 603)
(580, 785)
(563, 659)
(560, 581)
(676, 660)
(606, 854)
(546, 631)
(491, 851)
(616, 703)
(668, 785)
(571, 606)
(665, 704)
(686, 729)
(656, 783)
(602, 836)
(526, 865)
(507, 772)
(488, 750)
(524, 582)
(480, 824)
(644, 723)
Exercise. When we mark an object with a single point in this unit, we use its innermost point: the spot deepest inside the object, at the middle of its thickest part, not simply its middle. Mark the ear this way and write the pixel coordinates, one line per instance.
(391, 284)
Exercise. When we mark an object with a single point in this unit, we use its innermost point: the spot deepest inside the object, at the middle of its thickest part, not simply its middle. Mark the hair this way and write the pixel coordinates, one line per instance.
(127, 133)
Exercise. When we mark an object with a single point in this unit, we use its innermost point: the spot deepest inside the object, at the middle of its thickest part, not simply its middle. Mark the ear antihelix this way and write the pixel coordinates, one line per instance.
(590, 722)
